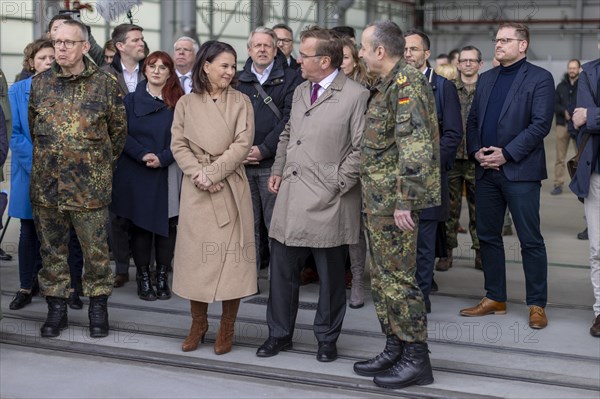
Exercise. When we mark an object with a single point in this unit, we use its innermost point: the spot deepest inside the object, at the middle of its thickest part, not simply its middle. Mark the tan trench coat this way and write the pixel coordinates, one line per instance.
(214, 253)
(318, 156)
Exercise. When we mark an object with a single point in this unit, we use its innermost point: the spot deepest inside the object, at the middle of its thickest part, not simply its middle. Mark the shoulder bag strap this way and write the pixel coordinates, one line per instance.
(268, 100)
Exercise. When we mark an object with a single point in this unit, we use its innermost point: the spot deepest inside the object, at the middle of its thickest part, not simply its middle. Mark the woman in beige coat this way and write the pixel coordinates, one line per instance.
(212, 134)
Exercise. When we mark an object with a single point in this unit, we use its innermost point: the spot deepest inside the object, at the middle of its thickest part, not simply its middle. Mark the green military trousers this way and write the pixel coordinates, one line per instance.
(398, 300)
(52, 227)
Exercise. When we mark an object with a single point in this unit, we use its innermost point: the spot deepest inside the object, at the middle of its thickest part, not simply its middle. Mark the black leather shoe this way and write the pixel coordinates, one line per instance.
(57, 317)
(385, 360)
(4, 256)
(327, 352)
(98, 315)
(162, 283)
(273, 346)
(413, 368)
(144, 284)
(21, 299)
(74, 301)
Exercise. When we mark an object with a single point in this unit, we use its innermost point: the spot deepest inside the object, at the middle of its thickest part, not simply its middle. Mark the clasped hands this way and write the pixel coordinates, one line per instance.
(202, 182)
(151, 160)
(254, 156)
(490, 157)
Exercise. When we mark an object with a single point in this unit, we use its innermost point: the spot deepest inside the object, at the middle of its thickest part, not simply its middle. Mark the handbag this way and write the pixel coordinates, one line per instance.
(573, 162)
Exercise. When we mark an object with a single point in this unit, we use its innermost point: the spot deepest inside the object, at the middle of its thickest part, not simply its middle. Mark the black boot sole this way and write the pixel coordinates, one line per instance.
(97, 332)
(424, 381)
(370, 373)
(52, 333)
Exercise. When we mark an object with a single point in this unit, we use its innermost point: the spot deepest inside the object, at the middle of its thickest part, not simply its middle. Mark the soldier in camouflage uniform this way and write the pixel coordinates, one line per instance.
(463, 171)
(400, 174)
(78, 127)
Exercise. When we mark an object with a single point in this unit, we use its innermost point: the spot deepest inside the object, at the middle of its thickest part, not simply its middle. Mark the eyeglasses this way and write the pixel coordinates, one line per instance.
(505, 40)
(68, 43)
(161, 68)
(284, 41)
(469, 61)
(413, 49)
(300, 55)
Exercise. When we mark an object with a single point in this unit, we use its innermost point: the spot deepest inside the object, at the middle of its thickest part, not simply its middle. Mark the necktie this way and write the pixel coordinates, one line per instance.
(183, 79)
(315, 93)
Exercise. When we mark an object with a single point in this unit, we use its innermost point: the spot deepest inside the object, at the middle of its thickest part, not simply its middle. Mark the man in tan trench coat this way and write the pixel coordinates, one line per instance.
(317, 209)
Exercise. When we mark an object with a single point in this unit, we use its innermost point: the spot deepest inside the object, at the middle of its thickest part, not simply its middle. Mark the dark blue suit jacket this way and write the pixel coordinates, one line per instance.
(525, 120)
(586, 93)
(450, 138)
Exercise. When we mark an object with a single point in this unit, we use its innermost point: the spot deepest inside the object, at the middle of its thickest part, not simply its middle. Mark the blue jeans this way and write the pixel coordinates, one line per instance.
(262, 203)
(493, 193)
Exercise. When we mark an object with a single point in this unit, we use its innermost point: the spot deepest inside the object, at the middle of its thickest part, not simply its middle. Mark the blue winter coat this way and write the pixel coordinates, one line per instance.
(139, 193)
(21, 147)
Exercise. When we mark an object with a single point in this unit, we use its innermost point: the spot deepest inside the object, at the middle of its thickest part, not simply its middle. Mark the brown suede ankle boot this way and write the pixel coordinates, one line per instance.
(224, 340)
(198, 328)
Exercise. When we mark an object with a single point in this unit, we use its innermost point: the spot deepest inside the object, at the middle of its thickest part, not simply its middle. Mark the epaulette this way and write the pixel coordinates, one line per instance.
(402, 80)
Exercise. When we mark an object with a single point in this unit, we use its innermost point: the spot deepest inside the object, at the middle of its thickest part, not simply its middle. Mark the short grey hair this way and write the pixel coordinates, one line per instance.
(188, 39)
(267, 31)
(388, 35)
(82, 29)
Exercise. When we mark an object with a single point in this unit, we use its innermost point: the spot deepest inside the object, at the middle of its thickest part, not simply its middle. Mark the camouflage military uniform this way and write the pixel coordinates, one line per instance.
(78, 128)
(462, 172)
(400, 169)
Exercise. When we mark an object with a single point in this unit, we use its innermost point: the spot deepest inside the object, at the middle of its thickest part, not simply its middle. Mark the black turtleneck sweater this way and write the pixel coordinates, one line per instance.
(506, 77)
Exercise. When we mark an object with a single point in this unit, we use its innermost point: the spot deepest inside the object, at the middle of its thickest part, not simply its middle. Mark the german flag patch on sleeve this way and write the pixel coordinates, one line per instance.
(403, 100)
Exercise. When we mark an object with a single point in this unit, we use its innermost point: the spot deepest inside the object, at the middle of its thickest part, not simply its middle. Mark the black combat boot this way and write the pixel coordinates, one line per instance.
(144, 286)
(162, 282)
(386, 359)
(414, 368)
(98, 314)
(57, 317)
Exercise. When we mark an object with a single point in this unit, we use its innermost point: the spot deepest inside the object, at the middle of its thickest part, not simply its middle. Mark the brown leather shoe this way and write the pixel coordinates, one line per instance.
(537, 317)
(595, 329)
(485, 307)
(444, 264)
(120, 280)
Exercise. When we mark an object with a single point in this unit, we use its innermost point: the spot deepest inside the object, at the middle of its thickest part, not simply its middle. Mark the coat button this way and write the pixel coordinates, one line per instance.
(307, 113)
(342, 184)
(298, 142)
(294, 173)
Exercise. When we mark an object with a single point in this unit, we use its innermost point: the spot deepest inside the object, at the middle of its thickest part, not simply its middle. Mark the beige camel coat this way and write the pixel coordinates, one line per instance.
(318, 157)
(214, 253)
